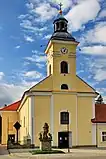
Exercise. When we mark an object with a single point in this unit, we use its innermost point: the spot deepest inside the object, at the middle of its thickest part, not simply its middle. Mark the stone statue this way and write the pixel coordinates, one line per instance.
(45, 138)
(45, 135)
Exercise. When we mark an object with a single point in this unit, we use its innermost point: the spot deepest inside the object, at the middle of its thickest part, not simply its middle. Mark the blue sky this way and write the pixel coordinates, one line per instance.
(25, 25)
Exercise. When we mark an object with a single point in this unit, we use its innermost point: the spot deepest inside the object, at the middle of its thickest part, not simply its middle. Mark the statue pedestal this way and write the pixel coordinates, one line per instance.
(45, 145)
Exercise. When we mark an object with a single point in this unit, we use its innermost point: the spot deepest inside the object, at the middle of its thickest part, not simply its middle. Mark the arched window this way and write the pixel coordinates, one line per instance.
(49, 69)
(64, 86)
(64, 67)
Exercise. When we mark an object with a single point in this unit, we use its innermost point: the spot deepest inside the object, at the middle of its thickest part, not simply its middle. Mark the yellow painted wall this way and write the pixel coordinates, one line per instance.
(24, 120)
(84, 120)
(44, 85)
(101, 127)
(64, 102)
(42, 115)
(8, 120)
(50, 60)
(81, 86)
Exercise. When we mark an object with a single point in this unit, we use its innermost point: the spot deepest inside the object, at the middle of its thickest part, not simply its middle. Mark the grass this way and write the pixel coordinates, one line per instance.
(35, 152)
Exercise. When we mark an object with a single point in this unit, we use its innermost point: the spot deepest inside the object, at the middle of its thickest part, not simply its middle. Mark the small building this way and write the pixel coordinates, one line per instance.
(62, 99)
(100, 122)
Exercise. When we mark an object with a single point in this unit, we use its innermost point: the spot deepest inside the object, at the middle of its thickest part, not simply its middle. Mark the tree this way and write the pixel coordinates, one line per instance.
(99, 100)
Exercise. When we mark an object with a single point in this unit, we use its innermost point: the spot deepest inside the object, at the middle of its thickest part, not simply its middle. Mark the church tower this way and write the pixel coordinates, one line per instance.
(61, 55)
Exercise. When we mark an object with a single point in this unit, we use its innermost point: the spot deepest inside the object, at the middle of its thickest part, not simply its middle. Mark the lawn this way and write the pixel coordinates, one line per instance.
(35, 152)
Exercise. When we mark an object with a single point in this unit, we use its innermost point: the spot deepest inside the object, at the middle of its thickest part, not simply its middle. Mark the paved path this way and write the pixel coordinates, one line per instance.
(74, 154)
(3, 150)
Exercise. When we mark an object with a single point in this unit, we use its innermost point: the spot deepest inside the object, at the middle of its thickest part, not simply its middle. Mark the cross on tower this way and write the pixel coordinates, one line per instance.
(60, 5)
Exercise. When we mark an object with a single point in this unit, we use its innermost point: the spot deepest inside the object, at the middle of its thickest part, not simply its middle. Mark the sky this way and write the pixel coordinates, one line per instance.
(26, 25)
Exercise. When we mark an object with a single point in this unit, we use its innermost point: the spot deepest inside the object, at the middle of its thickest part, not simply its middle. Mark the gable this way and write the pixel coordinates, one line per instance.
(44, 85)
(82, 86)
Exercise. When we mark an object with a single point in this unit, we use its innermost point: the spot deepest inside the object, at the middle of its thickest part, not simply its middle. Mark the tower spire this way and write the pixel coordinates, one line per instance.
(60, 9)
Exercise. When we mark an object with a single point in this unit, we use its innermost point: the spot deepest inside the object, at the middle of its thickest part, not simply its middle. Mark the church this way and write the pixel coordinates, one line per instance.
(63, 100)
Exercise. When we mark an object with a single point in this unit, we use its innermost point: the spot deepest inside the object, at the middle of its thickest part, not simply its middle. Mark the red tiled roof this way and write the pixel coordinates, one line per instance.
(100, 113)
(11, 107)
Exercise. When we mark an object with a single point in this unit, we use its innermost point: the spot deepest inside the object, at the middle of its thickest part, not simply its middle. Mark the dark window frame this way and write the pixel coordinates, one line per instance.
(103, 136)
(64, 117)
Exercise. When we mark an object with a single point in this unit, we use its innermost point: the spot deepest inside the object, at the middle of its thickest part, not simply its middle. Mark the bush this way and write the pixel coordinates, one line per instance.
(35, 152)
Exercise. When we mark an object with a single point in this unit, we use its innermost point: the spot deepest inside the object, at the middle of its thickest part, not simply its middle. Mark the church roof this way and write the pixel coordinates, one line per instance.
(62, 36)
(11, 107)
(100, 113)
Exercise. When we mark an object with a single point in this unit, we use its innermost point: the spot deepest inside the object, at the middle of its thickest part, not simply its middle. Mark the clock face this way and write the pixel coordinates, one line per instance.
(64, 50)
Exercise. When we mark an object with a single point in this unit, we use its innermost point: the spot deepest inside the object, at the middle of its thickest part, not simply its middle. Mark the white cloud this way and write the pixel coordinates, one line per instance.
(97, 34)
(30, 5)
(28, 38)
(80, 71)
(36, 58)
(47, 36)
(82, 13)
(17, 47)
(6, 97)
(66, 3)
(16, 91)
(26, 63)
(97, 68)
(100, 75)
(27, 24)
(40, 65)
(22, 16)
(45, 11)
(1, 75)
(12, 92)
(30, 27)
(94, 50)
(33, 75)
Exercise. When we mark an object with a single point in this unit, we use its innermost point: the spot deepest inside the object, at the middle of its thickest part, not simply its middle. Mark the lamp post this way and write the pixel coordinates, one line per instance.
(68, 129)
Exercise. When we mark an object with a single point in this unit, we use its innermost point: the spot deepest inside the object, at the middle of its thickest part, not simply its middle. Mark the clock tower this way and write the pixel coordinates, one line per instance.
(61, 55)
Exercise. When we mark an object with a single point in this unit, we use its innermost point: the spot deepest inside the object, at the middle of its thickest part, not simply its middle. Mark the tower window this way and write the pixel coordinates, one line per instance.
(65, 27)
(64, 86)
(64, 67)
(57, 26)
(49, 69)
(62, 25)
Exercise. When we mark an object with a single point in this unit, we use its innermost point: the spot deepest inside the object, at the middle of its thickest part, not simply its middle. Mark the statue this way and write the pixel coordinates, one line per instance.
(45, 138)
(45, 135)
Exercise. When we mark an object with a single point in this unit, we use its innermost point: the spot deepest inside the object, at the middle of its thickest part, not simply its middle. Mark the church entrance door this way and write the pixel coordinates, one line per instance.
(64, 139)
